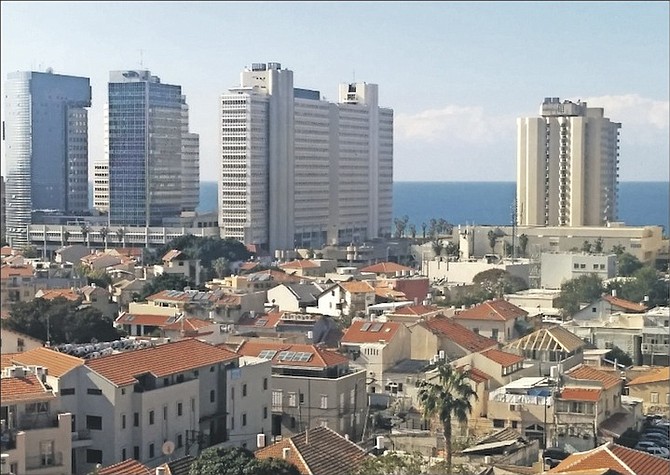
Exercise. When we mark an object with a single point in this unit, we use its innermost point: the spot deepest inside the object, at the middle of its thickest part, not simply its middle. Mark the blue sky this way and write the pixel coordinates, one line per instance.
(457, 74)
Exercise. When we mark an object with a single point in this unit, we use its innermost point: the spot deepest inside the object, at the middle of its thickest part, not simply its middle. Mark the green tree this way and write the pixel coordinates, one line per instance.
(619, 355)
(648, 283)
(397, 464)
(523, 244)
(30, 252)
(496, 282)
(104, 231)
(424, 226)
(598, 245)
(437, 247)
(60, 321)
(165, 282)
(618, 249)
(221, 267)
(493, 238)
(451, 249)
(586, 247)
(583, 289)
(238, 461)
(627, 264)
(412, 230)
(448, 398)
(400, 225)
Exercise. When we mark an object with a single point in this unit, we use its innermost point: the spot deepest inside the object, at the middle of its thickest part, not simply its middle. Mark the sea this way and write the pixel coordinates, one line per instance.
(491, 203)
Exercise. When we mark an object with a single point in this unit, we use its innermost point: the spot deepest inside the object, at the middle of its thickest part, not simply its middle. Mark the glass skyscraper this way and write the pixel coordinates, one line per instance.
(145, 120)
(46, 147)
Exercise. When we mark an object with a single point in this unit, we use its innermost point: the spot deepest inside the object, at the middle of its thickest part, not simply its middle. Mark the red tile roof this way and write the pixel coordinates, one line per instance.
(476, 375)
(7, 271)
(583, 371)
(50, 294)
(5, 251)
(247, 266)
(580, 394)
(142, 319)
(463, 337)
(622, 459)
(357, 287)
(188, 324)
(360, 332)
(625, 304)
(299, 264)
(276, 275)
(127, 467)
(385, 268)
(502, 358)
(495, 310)
(161, 360)
(56, 363)
(416, 310)
(25, 388)
(321, 357)
(6, 359)
(655, 376)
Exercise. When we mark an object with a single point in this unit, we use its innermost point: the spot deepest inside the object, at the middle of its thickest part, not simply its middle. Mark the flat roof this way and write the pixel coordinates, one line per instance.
(528, 382)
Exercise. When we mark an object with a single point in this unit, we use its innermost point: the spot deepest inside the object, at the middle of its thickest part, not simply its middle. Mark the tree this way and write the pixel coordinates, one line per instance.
(412, 230)
(104, 231)
(583, 289)
(450, 397)
(400, 226)
(437, 247)
(598, 245)
(451, 249)
(120, 236)
(423, 229)
(221, 267)
(30, 251)
(165, 282)
(647, 283)
(523, 244)
(85, 230)
(627, 264)
(492, 240)
(618, 249)
(620, 356)
(60, 321)
(66, 237)
(497, 282)
(238, 461)
(396, 464)
(586, 247)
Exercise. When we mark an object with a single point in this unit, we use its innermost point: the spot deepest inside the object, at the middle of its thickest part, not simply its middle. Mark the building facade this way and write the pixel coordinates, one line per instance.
(567, 166)
(299, 171)
(146, 149)
(46, 147)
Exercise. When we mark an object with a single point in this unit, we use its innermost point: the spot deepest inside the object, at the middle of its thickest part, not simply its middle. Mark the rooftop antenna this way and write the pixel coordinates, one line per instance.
(141, 58)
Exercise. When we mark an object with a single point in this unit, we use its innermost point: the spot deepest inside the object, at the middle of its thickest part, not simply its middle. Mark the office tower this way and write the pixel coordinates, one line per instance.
(46, 147)
(298, 171)
(567, 166)
(190, 154)
(144, 126)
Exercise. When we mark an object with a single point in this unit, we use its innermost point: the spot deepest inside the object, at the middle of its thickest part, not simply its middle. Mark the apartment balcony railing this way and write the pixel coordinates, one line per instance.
(36, 421)
(82, 434)
(44, 460)
(650, 348)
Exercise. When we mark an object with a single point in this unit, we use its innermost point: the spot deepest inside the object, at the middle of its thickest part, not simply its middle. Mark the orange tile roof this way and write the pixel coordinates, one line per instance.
(277, 276)
(357, 287)
(57, 363)
(299, 264)
(127, 467)
(385, 268)
(502, 357)
(171, 254)
(189, 324)
(616, 457)
(608, 379)
(247, 266)
(416, 310)
(463, 337)
(6, 359)
(389, 293)
(24, 388)
(625, 304)
(476, 375)
(50, 294)
(7, 271)
(321, 357)
(495, 310)
(320, 451)
(5, 251)
(161, 360)
(580, 394)
(356, 334)
(143, 319)
(654, 376)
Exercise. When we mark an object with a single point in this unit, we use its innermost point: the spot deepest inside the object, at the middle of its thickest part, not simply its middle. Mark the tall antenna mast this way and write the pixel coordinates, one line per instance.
(141, 58)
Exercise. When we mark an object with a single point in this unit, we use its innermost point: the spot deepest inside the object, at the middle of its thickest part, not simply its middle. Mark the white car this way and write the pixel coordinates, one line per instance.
(658, 451)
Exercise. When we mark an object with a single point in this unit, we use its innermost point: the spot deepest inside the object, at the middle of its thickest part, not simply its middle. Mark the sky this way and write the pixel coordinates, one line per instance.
(456, 74)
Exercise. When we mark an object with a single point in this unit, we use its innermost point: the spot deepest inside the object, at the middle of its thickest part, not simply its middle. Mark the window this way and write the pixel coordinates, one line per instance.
(136, 452)
(582, 266)
(292, 400)
(324, 401)
(123, 454)
(180, 441)
(47, 453)
(475, 330)
(136, 419)
(123, 422)
(515, 424)
(67, 391)
(180, 408)
(232, 422)
(93, 456)
(494, 334)
(265, 412)
(94, 392)
(352, 397)
(277, 397)
(301, 398)
(575, 266)
(232, 393)
(595, 266)
(498, 423)
(94, 422)
(244, 390)
(244, 419)
(654, 397)
(212, 396)
(151, 418)
(211, 369)
(123, 391)
(165, 409)
(151, 451)
(265, 383)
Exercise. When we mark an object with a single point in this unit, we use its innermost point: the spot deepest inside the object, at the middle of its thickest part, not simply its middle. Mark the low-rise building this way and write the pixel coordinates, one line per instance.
(12, 341)
(178, 263)
(495, 319)
(350, 299)
(295, 297)
(559, 267)
(17, 284)
(654, 390)
(444, 338)
(656, 337)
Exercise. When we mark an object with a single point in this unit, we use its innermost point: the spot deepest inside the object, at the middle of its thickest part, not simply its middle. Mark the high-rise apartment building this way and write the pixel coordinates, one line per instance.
(145, 149)
(101, 186)
(190, 156)
(46, 147)
(297, 170)
(567, 166)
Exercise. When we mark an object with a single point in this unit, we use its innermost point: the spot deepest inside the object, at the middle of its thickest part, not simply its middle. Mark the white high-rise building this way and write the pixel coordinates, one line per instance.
(567, 166)
(298, 171)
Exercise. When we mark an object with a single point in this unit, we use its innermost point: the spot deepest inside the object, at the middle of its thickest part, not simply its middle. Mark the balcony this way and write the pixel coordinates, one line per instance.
(651, 348)
(81, 438)
(44, 461)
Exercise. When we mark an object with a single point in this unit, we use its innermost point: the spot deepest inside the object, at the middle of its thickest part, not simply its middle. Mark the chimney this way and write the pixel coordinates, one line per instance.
(379, 445)
(161, 471)
(307, 436)
(613, 292)
(285, 453)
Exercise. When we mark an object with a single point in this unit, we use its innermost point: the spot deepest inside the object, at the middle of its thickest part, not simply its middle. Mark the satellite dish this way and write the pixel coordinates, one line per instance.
(168, 447)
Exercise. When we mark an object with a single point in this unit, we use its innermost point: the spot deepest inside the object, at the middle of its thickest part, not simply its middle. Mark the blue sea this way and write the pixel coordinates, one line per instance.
(640, 203)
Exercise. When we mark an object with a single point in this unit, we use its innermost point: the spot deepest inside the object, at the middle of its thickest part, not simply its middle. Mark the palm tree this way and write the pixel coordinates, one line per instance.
(104, 231)
(85, 229)
(437, 247)
(449, 397)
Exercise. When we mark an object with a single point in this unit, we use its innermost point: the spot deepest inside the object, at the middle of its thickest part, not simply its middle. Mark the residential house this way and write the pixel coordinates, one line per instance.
(72, 253)
(171, 327)
(308, 268)
(127, 467)
(311, 387)
(413, 287)
(124, 291)
(559, 267)
(90, 296)
(261, 280)
(444, 337)
(549, 347)
(606, 306)
(500, 366)
(17, 284)
(12, 341)
(36, 435)
(415, 313)
(621, 460)
(178, 263)
(536, 301)
(656, 337)
(387, 270)
(654, 390)
(317, 451)
(376, 346)
(350, 299)
(298, 297)
(495, 319)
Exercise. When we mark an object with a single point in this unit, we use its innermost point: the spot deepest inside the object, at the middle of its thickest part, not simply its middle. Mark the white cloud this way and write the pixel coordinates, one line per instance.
(634, 111)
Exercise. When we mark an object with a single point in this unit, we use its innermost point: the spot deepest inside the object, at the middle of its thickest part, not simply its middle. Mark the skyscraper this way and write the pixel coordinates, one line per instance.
(145, 149)
(297, 170)
(190, 156)
(46, 147)
(567, 166)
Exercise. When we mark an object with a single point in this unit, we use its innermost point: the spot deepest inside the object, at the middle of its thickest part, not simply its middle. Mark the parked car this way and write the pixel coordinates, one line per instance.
(658, 451)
